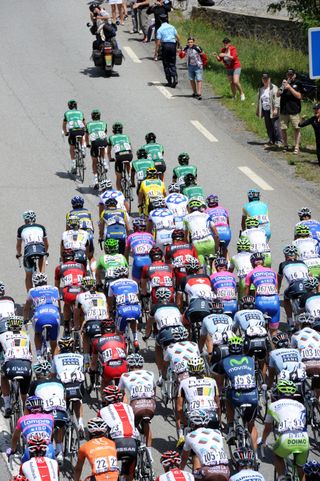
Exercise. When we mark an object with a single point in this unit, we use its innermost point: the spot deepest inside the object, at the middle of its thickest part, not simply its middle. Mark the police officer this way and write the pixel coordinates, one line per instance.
(168, 38)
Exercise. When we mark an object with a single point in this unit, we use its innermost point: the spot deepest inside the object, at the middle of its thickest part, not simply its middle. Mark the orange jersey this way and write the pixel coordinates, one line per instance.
(102, 456)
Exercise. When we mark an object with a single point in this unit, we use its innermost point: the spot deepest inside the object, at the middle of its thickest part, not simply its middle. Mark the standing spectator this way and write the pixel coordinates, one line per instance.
(160, 7)
(195, 66)
(168, 38)
(315, 122)
(232, 64)
(141, 7)
(116, 4)
(290, 94)
(136, 27)
(268, 107)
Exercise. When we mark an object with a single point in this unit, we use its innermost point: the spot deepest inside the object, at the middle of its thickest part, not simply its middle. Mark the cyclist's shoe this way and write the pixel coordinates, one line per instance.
(160, 381)
(7, 412)
(180, 442)
(106, 165)
(73, 167)
(59, 457)
(231, 436)
(136, 346)
(83, 149)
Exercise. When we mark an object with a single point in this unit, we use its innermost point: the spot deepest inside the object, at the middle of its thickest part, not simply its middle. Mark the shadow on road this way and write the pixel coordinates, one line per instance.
(93, 72)
(64, 175)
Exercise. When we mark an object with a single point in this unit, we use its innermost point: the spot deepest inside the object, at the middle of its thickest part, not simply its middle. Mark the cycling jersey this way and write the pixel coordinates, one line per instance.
(194, 192)
(179, 353)
(93, 305)
(249, 318)
(198, 225)
(177, 204)
(113, 194)
(120, 143)
(40, 468)
(68, 367)
(97, 129)
(307, 340)
(163, 226)
(241, 263)
(181, 171)
(128, 308)
(258, 209)
(7, 307)
(141, 166)
(109, 262)
(311, 303)
(158, 274)
(154, 150)
(240, 370)
(224, 284)
(314, 226)
(166, 315)
(288, 414)
(197, 286)
(77, 240)
(140, 244)
(207, 444)
(112, 353)
(51, 392)
(74, 119)
(102, 456)
(178, 254)
(120, 419)
(285, 358)
(115, 222)
(293, 270)
(307, 248)
(15, 345)
(85, 217)
(199, 393)
(31, 234)
(258, 239)
(151, 188)
(217, 326)
(70, 273)
(138, 384)
(36, 423)
(247, 475)
(175, 475)
(264, 280)
(220, 218)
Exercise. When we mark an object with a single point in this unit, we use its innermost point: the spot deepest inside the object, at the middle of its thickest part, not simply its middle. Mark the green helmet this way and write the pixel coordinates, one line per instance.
(96, 114)
(111, 246)
(302, 230)
(195, 204)
(117, 128)
(252, 222)
(243, 244)
(286, 387)
(235, 345)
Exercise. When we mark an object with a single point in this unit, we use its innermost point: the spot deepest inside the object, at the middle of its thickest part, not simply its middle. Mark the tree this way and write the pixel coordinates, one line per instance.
(306, 11)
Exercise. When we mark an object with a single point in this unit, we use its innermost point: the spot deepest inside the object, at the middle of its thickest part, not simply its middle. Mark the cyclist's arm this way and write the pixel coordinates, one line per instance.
(266, 431)
(215, 235)
(110, 303)
(77, 315)
(140, 198)
(46, 243)
(101, 226)
(150, 226)
(184, 458)
(272, 373)
(19, 247)
(109, 151)
(279, 282)
(26, 309)
(64, 127)
(15, 439)
(202, 341)
(149, 325)
(179, 300)
(78, 467)
(127, 251)
(243, 221)
(61, 248)
(99, 274)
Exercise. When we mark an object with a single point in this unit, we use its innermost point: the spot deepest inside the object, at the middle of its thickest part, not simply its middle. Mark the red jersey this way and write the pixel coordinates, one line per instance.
(179, 253)
(70, 273)
(111, 347)
(231, 63)
(159, 274)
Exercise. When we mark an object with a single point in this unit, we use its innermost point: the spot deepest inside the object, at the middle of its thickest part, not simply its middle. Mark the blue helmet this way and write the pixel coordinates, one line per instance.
(253, 194)
(77, 201)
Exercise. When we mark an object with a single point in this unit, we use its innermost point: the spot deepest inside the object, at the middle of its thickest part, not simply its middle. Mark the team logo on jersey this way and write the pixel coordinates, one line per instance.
(236, 362)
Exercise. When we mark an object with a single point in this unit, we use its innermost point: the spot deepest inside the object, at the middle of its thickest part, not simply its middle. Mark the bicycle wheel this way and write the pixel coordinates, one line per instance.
(126, 189)
(80, 167)
(71, 443)
(315, 422)
(144, 470)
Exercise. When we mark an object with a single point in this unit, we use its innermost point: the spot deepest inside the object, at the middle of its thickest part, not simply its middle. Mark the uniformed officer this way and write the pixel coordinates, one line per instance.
(168, 38)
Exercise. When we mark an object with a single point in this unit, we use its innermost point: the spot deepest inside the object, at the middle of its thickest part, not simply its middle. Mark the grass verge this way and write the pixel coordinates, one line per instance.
(256, 56)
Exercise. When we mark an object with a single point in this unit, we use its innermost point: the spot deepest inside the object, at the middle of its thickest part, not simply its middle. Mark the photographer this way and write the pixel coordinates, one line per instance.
(160, 7)
(315, 122)
(290, 94)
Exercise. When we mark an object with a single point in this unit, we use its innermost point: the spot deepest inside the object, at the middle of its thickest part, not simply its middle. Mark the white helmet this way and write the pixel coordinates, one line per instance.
(29, 216)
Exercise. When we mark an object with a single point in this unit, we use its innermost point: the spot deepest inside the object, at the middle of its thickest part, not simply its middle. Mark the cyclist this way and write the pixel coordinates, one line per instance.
(155, 152)
(139, 389)
(256, 208)
(149, 188)
(244, 460)
(202, 232)
(307, 248)
(114, 223)
(191, 189)
(123, 300)
(264, 280)
(248, 316)
(177, 203)
(209, 460)
(16, 348)
(96, 135)
(171, 461)
(73, 125)
(84, 215)
(240, 262)
(7, 306)
(139, 244)
(139, 167)
(109, 262)
(161, 222)
(121, 145)
(224, 285)
(258, 239)
(310, 300)
(314, 225)
(45, 300)
(119, 417)
(294, 271)
(39, 466)
(34, 238)
(311, 471)
(100, 452)
(67, 366)
(106, 191)
(289, 418)
(177, 354)
(179, 253)
(75, 238)
(157, 274)
(220, 217)
(285, 362)
(183, 169)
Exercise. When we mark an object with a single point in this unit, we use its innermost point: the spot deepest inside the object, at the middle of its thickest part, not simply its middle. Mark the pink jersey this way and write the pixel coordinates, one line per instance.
(218, 215)
(140, 243)
(36, 423)
(264, 280)
(224, 284)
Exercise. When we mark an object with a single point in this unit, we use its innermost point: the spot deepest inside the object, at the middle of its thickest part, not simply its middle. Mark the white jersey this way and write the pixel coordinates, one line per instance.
(6, 307)
(68, 367)
(75, 239)
(139, 384)
(207, 444)
(179, 353)
(53, 395)
(307, 340)
(167, 316)
(32, 234)
(313, 305)
(247, 475)
(217, 326)
(163, 225)
(120, 419)
(15, 346)
(198, 225)
(257, 238)
(198, 286)
(285, 358)
(199, 393)
(93, 304)
(177, 203)
(307, 248)
(294, 271)
(176, 475)
(41, 469)
(241, 263)
(249, 318)
(288, 414)
(113, 194)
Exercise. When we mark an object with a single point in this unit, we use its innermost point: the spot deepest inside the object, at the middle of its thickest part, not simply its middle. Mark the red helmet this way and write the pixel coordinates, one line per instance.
(38, 443)
(112, 394)
(156, 253)
(178, 234)
(19, 477)
(170, 459)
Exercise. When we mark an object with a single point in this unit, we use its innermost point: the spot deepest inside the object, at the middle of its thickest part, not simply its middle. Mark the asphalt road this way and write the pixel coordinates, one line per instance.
(44, 61)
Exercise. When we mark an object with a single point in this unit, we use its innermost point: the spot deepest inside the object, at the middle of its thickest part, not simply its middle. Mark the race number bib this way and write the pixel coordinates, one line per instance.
(70, 375)
(226, 293)
(142, 249)
(290, 425)
(204, 403)
(256, 331)
(18, 353)
(310, 353)
(212, 458)
(54, 402)
(97, 135)
(141, 391)
(266, 290)
(246, 381)
(123, 298)
(104, 464)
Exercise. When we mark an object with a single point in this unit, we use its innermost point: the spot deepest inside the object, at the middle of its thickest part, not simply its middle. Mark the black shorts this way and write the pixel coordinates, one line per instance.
(74, 390)
(19, 367)
(92, 329)
(95, 144)
(61, 417)
(120, 158)
(218, 354)
(198, 309)
(256, 346)
(73, 134)
(127, 449)
(160, 165)
(294, 290)
(34, 249)
(166, 336)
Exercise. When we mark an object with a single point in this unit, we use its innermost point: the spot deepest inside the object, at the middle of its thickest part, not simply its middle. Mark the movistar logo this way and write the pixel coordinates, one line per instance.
(235, 362)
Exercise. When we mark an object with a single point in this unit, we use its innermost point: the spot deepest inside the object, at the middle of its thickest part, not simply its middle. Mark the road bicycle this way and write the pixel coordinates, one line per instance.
(79, 159)
(143, 471)
(101, 170)
(15, 402)
(126, 184)
(242, 435)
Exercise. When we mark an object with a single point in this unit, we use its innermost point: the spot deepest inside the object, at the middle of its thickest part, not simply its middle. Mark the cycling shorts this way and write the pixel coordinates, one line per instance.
(293, 443)
(218, 354)
(127, 448)
(49, 453)
(29, 251)
(143, 408)
(125, 314)
(271, 306)
(19, 367)
(245, 397)
(51, 317)
(92, 329)
(138, 263)
(74, 390)
(294, 290)
(106, 476)
(204, 247)
(120, 158)
(220, 472)
(160, 165)
(256, 346)
(198, 309)
(166, 336)
(60, 416)
(114, 369)
(69, 294)
(73, 134)
(230, 306)
(95, 144)
(224, 232)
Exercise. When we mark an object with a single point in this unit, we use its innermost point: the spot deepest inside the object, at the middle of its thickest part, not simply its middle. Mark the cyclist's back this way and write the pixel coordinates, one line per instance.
(40, 468)
(247, 475)
(102, 456)
(176, 475)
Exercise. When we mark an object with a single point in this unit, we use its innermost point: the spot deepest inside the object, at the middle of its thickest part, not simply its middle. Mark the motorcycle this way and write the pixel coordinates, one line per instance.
(105, 52)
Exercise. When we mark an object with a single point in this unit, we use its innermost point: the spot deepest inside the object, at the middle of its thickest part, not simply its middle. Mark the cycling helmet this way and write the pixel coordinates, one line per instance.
(66, 344)
(39, 279)
(151, 173)
(14, 323)
(290, 251)
(19, 477)
(88, 282)
(305, 319)
(2, 289)
(304, 212)
(195, 365)
(302, 230)
(252, 222)
(163, 294)
(38, 443)
(253, 194)
(142, 154)
(29, 216)
(311, 283)
(135, 360)
(189, 179)
(112, 394)
(77, 201)
(243, 244)
(220, 262)
(256, 256)
(150, 137)
(111, 246)
(195, 204)
(217, 306)
(212, 200)
(311, 467)
(183, 158)
(235, 345)
(97, 427)
(81, 257)
(247, 302)
(157, 203)
(72, 104)
(68, 255)
(178, 234)
(286, 388)
(117, 128)
(120, 271)
(192, 264)
(108, 325)
(180, 334)
(42, 368)
(173, 188)
(105, 185)
(155, 254)
(34, 404)
(244, 457)
(139, 223)
(170, 459)
(199, 417)
(73, 222)
(110, 202)
(96, 114)
(280, 340)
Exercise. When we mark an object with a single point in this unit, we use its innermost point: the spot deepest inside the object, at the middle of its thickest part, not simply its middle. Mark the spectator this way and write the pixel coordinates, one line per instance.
(232, 64)
(167, 37)
(135, 18)
(195, 66)
(160, 7)
(315, 122)
(290, 94)
(268, 107)
(116, 4)
(141, 6)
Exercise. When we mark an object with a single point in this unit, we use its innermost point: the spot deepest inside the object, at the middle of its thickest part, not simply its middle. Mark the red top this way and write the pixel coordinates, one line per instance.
(229, 63)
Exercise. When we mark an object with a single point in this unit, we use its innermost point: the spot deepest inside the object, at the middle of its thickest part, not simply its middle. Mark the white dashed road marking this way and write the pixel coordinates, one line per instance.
(204, 131)
(255, 178)
(132, 55)
(162, 89)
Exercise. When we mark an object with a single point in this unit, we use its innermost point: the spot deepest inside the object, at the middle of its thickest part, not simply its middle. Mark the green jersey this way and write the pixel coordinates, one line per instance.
(194, 192)
(140, 166)
(96, 130)
(74, 119)
(155, 151)
(120, 143)
(182, 170)
(109, 263)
